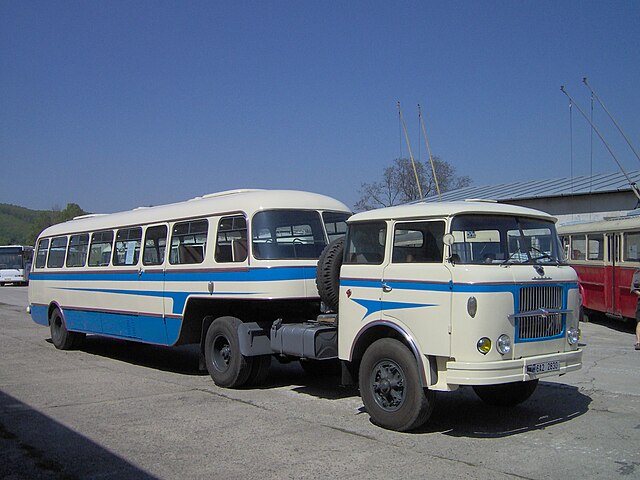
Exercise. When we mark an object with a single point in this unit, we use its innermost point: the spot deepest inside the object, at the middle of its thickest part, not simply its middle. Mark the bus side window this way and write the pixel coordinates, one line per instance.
(78, 248)
(57, 252)
(578, 247)
(127, 249)
(231, 241)
(100, 250)
(155, 244)
(188, 242)
(596, 247)
(41, 255)
(632, 246)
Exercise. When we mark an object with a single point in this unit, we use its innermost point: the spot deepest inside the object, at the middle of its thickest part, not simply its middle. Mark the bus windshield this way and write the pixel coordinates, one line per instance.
(11, 258)
(294, 234)
(501, 240)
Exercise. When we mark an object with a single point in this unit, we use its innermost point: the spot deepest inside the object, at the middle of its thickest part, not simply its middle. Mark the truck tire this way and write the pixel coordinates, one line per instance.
(506, 394)
(391, 389)
(328, 273)
(226, 365)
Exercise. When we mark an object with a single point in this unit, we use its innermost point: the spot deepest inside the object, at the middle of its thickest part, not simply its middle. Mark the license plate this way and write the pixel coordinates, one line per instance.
(544, 367)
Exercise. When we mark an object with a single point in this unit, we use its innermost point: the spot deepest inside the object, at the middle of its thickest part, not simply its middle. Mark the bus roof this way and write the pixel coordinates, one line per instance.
(221, 203)
(610, 225)
(447, 209)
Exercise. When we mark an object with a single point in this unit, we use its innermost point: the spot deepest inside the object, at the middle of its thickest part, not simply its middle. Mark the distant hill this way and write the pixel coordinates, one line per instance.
(21, 226)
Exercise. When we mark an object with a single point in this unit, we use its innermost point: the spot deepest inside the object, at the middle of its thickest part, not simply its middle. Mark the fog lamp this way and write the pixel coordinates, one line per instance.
(503, 345)
(472, 306)
(484, 345)
(573, 334)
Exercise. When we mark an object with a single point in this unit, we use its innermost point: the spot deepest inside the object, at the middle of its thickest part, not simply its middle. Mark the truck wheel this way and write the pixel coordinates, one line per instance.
(506, 394)
(391, 389)
(226, 365)
(328, 273)
(62, 338)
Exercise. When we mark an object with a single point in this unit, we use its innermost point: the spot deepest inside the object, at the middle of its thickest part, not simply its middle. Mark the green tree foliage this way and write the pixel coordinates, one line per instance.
(398, 184)
(51, 217)
(21, 226)
(15, 224)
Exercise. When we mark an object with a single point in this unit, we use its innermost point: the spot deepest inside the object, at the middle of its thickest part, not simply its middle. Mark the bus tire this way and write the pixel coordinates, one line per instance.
(328, 273)
(62, 338)
(506, 394)
(391, 389)
(226, 365)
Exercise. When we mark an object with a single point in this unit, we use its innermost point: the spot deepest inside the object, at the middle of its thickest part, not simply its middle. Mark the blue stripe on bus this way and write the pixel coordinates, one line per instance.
(179, 298)
(450, 286)
(248, 275)
(374, 306)
(149, 329)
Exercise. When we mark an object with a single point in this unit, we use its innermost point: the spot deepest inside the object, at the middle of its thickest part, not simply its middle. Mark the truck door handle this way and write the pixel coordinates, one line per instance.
(386, 288)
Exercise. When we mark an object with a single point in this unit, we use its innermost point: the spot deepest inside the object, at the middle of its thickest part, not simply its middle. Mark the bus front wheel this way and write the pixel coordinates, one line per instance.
(62, 338)
(226, 365)
(391, 389)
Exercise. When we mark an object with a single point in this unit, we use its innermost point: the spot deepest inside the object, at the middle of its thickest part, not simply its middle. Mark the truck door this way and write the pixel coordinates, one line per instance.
(416, 290)
(360, 281)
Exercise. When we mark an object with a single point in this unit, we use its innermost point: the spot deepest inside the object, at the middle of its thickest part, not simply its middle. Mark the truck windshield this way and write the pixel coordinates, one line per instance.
(501, 240)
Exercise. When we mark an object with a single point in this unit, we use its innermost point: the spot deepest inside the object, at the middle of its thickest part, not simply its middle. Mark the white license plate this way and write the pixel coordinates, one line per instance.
(543, 367)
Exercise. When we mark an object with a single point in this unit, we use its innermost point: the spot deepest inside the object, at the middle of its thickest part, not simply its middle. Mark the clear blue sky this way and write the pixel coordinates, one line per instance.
(117, 104)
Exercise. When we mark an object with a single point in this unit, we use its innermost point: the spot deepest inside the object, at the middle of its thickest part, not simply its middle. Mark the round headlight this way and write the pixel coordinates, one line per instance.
(484, 345)
(573, 335)
(503, 345)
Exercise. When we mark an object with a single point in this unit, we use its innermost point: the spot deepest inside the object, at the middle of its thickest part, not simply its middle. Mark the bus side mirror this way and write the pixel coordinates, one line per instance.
(448, 239)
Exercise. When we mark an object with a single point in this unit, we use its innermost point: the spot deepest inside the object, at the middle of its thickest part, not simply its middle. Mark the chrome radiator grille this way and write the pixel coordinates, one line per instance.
(536, 318)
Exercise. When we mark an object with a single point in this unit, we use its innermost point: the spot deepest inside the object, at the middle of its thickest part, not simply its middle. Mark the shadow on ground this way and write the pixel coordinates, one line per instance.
(463, 414)
(460, 413)
(34, 446)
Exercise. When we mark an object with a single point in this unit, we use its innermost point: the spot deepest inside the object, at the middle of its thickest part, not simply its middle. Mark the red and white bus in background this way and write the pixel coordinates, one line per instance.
(605, 254)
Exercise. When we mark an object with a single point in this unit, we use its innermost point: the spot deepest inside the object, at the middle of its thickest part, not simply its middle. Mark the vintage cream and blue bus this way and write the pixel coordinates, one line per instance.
(414, 299)
(163, 274)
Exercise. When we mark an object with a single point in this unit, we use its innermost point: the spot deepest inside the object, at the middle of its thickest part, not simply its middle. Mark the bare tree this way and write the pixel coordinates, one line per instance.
(399, 185)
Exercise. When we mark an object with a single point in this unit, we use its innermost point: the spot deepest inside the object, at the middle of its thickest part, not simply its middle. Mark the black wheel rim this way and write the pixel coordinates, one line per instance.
(221, 353)
(388, 385)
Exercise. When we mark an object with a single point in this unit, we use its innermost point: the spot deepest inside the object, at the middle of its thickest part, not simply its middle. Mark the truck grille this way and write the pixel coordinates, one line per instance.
(536, 318)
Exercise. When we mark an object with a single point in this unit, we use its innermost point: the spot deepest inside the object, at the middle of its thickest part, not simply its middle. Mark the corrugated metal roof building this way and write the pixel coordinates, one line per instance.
(570, 198)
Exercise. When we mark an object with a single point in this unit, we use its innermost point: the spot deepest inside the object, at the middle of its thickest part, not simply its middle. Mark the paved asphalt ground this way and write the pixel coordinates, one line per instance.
(117, 410)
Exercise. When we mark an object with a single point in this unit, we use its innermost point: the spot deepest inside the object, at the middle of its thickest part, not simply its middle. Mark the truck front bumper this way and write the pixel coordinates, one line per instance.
(508, 371)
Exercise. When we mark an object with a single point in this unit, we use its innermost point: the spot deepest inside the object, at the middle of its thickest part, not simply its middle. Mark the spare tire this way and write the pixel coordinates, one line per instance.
(328, 273)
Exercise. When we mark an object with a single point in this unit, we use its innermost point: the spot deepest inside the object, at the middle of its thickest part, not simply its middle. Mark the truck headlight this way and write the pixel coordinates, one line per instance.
(503, 345)
(573, 335)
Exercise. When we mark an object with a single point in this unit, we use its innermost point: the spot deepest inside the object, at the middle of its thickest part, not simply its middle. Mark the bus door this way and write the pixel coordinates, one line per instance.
(416, 291)
(151, 284)
(611, 279)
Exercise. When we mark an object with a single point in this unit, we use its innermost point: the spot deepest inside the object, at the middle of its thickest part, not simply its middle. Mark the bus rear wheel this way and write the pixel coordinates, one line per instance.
(391, 389)
(62, 338)
(226, 365)
(506, 394)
